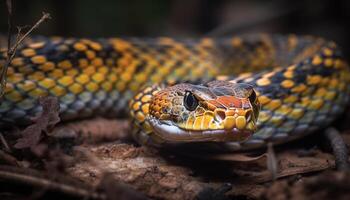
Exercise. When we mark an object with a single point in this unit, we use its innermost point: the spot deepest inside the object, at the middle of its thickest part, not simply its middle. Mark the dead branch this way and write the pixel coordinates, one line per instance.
(272, 161)
(4, 143)
(9, 22)
(37, 179)
(9, 159)
(11, 51)
(339, 148)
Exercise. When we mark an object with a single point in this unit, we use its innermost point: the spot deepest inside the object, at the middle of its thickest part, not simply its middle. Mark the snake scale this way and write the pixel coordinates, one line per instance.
(245, 90)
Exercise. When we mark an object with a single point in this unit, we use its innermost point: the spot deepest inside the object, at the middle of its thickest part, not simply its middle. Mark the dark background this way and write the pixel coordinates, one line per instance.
(107, 18)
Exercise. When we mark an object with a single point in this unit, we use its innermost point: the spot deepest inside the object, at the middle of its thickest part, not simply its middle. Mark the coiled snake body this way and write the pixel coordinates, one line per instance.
(291, 85)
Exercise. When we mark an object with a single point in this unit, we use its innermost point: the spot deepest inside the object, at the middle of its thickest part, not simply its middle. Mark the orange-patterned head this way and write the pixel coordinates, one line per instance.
(216, 111)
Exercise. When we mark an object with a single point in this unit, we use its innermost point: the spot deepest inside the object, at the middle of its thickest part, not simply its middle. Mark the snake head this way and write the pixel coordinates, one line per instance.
(216, 111)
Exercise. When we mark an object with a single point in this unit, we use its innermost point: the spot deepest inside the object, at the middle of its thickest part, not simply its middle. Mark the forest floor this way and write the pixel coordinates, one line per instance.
(96, 159)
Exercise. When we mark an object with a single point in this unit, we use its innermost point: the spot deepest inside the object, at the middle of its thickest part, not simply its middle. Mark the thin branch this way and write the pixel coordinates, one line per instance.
(4, 143)
(35, 178)
(19, 31)
(272, 161)
(9, 22)
(339, 148)
(9, 159)
(36, 25)
(11, 51)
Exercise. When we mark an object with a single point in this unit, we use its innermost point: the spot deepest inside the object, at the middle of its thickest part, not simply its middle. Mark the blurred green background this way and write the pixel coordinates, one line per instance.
(107, 18)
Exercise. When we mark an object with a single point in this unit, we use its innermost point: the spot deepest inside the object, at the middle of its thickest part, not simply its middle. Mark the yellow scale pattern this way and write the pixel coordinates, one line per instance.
(99, 77)
(94, 76)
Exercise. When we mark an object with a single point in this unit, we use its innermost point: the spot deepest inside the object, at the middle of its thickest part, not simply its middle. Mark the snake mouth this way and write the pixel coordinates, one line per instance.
(170, 132)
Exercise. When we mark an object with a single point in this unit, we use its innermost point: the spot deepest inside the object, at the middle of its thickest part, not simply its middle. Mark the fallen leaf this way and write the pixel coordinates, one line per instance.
(43, 123)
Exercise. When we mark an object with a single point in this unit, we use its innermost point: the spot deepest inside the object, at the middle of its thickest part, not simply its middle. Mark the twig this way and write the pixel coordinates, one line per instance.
(19, 31)
(11, 51)
(35, 178)
(339, 148)
(4, 143)
(9, 159)
(9, 22)
(42, 19)
(271, 161)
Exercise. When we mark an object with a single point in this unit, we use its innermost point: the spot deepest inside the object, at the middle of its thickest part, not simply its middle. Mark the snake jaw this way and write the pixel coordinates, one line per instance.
(172, 133)
(220, 111)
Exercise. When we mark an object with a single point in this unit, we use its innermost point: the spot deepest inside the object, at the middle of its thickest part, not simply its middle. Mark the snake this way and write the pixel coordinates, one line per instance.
(245, 91)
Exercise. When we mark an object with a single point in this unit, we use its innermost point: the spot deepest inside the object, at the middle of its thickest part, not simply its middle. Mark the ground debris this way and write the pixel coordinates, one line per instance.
(329, 185)
(118, 190)
(124, 170)
(42, 124)
(168, 176)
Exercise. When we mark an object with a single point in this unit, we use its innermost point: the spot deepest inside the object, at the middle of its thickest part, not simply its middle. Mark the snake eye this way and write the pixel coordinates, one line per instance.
(190, 101)
(252, 97)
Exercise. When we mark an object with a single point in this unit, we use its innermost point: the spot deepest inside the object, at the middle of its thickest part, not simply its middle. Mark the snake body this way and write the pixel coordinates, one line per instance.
(301, 82)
